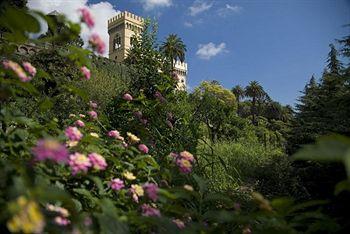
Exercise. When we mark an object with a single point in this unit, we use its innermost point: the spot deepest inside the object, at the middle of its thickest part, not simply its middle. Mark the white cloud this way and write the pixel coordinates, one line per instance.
(198, 7)
(101, 11)
(209, 50)
(151, 4)
(188, 24)
(228, 9)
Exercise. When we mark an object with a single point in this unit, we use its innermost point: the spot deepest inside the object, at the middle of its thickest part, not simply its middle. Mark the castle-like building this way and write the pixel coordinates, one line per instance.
(122, 30)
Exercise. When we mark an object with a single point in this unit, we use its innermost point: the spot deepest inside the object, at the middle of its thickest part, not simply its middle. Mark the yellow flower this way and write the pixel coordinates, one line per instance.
(188, 187)
(129, 175)
(138, 190)
(72, 143)
(94, 134)
(29, 218)
(132, 137)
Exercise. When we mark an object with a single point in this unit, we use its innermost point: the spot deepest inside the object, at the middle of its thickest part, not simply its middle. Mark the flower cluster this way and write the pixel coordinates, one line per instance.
(62, 218)
(132, 138)
(143, 148)
(136, 191)
(150, 211)
(73, 133)
(140, 117)
(50, 149)
(79, 123)
(86, 72)
(184, 161)
(151, 191)
(97, 43)
(115, 134)
(98, 162)
(86, 17)
(18, 70)
(92, 114)
(117, 184)
(127, 97)
(29, 219)
(159, 96)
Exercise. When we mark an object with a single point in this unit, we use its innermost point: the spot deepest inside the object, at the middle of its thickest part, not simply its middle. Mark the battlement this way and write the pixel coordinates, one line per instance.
(125, 15)
(178, 65)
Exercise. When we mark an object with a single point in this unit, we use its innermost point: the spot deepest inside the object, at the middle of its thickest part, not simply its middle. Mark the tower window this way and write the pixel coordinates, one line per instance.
(117, 42)
(133, 41)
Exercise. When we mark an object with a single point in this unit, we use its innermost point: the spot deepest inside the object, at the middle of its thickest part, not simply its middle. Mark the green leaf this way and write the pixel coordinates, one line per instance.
(342, 186)
(45, 105)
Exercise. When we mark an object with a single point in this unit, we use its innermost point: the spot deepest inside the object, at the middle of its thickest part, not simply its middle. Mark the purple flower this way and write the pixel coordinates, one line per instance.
(127, 97)
(184, 165)
(97, 43)
(187, 155)
(93, 105)
(93, 114)
(117, 184)
(115, 134)
(87, 17)
(50, 149)
(29, 68)
(143, 148)
(151, 191)
(73, 134)
(180, 224)
(79, 123)
(149, 211)
(159, 96)
(98, 162)
(79, 163)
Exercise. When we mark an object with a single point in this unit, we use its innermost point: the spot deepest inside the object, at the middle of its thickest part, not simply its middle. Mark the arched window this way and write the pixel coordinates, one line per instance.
(133, 41)
(117, 42)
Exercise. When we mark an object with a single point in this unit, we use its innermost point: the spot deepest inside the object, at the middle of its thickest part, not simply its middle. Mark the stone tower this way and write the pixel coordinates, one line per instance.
(122, 29)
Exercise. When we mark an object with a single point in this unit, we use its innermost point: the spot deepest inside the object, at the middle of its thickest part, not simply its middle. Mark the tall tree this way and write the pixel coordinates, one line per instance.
(334, 66)
(174, 49)
(256, 92)
(238, 91)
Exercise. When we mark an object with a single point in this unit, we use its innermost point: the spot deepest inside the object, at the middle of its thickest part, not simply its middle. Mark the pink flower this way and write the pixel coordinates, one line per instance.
(86, 72)
(180, 224)
(17, 69)
(93, 105)
(86, 17)
(79, 162)
(73, 134)
(117, 184)
(98, 162)
(93, 114)
(61, 221)
(79, 123)
(187, 155)
(159, 96)
(143, 148)
(149, 211)
(151, 191)
(184, 165)
(29, 68)
(127, 97)
(50, 149)
(97, 43)
(115, 134)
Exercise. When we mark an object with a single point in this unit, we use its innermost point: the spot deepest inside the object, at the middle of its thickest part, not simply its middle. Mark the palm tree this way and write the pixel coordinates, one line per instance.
(238, 91)
(173, 48)
(256, 92)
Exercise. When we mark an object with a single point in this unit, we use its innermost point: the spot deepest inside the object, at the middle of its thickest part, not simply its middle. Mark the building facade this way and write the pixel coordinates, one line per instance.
(122, 30)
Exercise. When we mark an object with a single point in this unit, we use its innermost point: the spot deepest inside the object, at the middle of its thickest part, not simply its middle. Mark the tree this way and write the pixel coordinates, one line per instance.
(173, 49)
(334, 66)
(238, 91)
(255, 91)
(214, 106)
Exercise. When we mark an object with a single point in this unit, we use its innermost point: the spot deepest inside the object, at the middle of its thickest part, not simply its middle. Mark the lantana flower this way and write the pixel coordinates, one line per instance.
(98, 161)
(87, 17)
(93, 105)
(86, 72)
(127, 97)
(73, 133)
(150, 211)
(92, 114)
(50, 149)
(143, 148)
(115, 134)
(179, 223)
(17, 69)
(151, 191)
(79, 123)
(117, 184)
(129, 175)
(132, 138)
(79, 163)
(136, 192)
(97, 43)
(29, 68)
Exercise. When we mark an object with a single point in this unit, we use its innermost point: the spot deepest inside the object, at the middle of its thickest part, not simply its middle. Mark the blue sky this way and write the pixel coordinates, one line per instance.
(279, 43)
